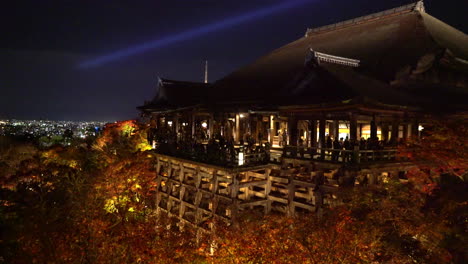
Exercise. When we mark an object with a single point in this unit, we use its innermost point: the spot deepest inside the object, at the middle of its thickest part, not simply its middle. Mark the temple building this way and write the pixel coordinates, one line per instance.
(368, 83)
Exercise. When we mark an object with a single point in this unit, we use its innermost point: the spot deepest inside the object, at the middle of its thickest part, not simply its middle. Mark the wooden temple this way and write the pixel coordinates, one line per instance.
(342, 96)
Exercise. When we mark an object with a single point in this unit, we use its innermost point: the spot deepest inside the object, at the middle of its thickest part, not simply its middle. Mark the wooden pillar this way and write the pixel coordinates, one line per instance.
(313, 133)
(192, 123)
(176, 125)
(211, 126)
(292, 131)
(331, 131)
(291, 194)
(322, 137)
(336, 129)
(272, 129)
(258, 124)
(154, 121)
(414, 130)
(222, 126)
(353, 128)
(233, 195)
(385, 130)
(268, 190)
(181, 205)
(237, 137)
(405, 132)
(373, 128)
(395, 130)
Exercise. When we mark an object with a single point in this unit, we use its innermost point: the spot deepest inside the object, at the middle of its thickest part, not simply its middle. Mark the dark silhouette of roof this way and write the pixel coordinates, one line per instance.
(172, 94)
(395, 50)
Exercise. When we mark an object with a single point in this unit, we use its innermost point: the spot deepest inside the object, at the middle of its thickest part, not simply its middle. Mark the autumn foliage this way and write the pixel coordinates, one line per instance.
(95, 203)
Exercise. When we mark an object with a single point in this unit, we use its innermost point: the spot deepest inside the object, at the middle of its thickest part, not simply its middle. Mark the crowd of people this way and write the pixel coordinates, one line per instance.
(220, 150)
(216, 149)
(342, 149)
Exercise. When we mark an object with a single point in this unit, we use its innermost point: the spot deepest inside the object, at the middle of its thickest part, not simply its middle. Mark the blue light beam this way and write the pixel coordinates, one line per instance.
(189, 34)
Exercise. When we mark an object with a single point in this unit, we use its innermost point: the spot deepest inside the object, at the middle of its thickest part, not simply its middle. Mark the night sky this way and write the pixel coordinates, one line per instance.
(49, 49)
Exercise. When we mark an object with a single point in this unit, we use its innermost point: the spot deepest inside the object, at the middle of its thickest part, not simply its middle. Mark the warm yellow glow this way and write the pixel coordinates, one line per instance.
(241, 158)
(366, 132)
(204, 125)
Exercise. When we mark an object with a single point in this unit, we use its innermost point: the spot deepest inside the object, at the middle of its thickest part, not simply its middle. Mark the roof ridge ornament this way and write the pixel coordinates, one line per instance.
(420, 6)
(323, 57)
(416, 6)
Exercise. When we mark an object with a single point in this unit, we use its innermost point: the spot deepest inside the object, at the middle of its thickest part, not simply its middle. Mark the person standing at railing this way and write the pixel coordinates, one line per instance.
(336, 149)
(280, 138)
(362, 144)
(301, 147)
(329, 146)
(267, 152)
(354, 146)
(346, 146)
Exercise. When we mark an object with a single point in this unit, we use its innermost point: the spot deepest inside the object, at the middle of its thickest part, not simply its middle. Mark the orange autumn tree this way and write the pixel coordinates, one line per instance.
(96, 205)
(442, 158)
(118, 221)
(418, 220)
(38, 201)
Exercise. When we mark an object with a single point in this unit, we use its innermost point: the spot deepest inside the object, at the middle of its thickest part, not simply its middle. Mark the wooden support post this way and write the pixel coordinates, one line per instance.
(395, 130)
(415, 130)
(237, 137)
(373, 128)
(292, 131)
(198, 198)
(385, 131)
(372, 178)
(353, 128)
(214, 204)
(235, 202)
(214, 182)
(322, 137)
(192, 123)
(176, 125)
(181, 173)
(291, 193)
(258, 124)
(405, 132)
(313, 133)
(181, 203)
(272, 129)
(158, 198)
(158, 166)
(331, 131)
(211, 126)
(247, 190)
(336, 129)
(197, 177)
(267, 190)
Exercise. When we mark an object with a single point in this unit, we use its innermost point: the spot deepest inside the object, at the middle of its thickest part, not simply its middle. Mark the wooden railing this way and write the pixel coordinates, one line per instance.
(236, 157)
(341, 155)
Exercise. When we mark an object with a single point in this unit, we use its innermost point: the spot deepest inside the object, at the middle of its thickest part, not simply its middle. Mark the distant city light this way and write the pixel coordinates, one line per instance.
(241, 115)
(169, 123)
(204, 125)
(44, 130)
(420, 128)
